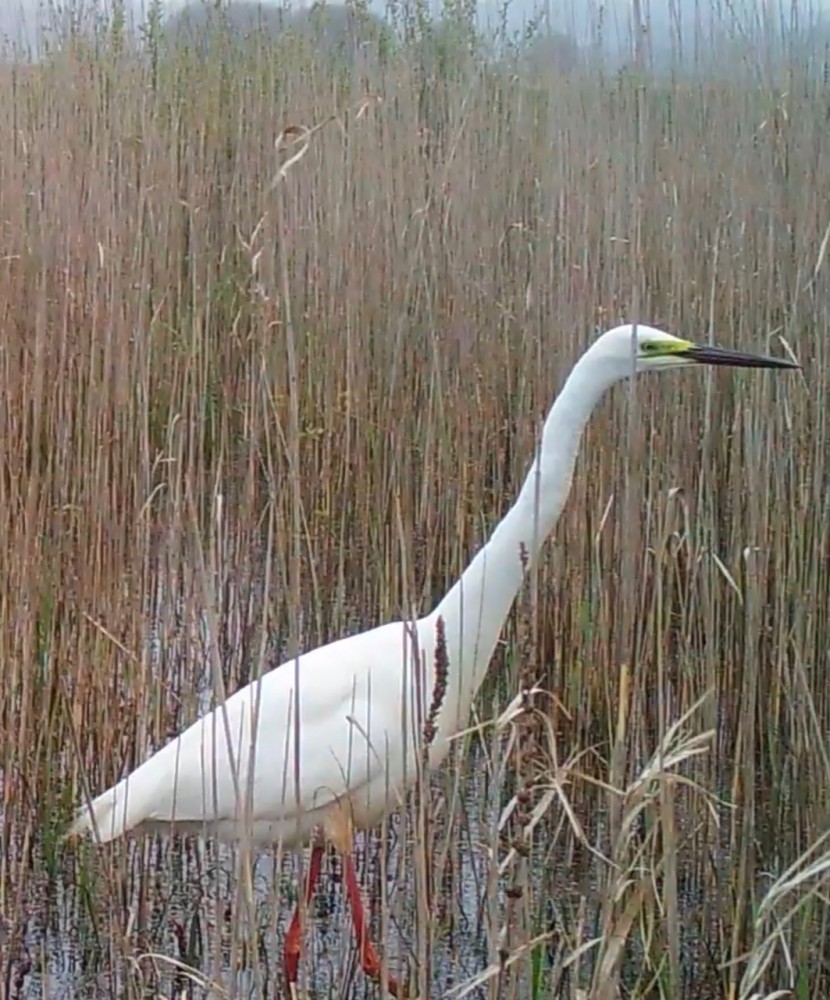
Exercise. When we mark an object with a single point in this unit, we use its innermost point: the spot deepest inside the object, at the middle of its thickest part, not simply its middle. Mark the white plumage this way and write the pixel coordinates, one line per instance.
(352, 744)
(361, 700)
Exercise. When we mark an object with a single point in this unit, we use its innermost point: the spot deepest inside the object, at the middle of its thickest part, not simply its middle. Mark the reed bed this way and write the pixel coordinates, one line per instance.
(277, 334)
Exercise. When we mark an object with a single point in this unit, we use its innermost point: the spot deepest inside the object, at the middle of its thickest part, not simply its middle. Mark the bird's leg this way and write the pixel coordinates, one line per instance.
(369, 958)
(294, 937)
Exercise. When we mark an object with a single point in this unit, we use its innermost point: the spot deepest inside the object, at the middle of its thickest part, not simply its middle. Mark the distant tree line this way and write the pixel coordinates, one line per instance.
(332, 27)
(345, 28)
(340, 28)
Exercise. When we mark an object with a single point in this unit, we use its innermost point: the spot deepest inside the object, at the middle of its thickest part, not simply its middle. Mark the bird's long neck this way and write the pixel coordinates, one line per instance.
(476, 607)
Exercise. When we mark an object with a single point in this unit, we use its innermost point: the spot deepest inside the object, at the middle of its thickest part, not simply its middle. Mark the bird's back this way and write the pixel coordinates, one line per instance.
(353, 700)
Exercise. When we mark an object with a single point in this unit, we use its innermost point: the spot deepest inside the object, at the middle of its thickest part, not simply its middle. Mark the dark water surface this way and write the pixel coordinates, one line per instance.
(181, 895)
(177, 899)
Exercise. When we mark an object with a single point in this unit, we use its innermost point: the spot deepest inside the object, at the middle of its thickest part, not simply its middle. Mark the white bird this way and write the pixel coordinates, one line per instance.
(362, 701)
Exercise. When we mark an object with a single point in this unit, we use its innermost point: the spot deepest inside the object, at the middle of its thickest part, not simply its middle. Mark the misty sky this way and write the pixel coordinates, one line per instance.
(575, 17)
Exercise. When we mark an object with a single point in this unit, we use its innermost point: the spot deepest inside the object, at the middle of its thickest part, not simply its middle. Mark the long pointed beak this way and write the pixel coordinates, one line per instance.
(737, 359)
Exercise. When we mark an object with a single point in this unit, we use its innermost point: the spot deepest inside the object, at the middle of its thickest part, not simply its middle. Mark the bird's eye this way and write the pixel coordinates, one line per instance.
(648, 347)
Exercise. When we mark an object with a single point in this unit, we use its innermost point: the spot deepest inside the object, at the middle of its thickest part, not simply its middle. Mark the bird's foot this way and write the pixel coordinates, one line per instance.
(370, 961)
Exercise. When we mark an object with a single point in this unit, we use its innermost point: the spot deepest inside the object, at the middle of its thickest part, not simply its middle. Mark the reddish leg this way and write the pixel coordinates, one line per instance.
(294, 937)
(369, 957)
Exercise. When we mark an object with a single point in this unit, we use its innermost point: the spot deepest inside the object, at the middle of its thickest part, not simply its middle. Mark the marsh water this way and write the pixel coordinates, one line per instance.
(166, 916)
(184, 912)
(184, 907)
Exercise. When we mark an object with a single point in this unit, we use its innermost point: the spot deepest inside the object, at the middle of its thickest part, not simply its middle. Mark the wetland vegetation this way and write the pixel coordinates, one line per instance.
(276, 334)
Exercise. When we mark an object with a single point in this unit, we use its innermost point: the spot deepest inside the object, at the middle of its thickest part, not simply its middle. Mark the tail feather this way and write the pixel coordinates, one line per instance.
(107, 817)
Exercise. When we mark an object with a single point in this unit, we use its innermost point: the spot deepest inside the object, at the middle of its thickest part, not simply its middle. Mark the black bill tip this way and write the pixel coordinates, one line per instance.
(736, 359)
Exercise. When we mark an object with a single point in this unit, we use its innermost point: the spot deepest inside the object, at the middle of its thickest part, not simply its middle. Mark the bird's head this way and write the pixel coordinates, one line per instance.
(649, 349)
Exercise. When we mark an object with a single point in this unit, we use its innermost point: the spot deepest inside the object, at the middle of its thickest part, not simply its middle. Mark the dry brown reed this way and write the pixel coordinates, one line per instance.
(331, 387)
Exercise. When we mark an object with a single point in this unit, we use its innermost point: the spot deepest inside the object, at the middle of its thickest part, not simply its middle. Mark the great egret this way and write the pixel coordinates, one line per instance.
(361, 700)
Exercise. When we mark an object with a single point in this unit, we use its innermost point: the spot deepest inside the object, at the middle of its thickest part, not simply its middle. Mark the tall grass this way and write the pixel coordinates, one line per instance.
(244, 411)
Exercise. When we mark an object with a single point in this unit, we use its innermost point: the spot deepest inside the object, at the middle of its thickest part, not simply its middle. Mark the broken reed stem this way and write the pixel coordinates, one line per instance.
(517, 930)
